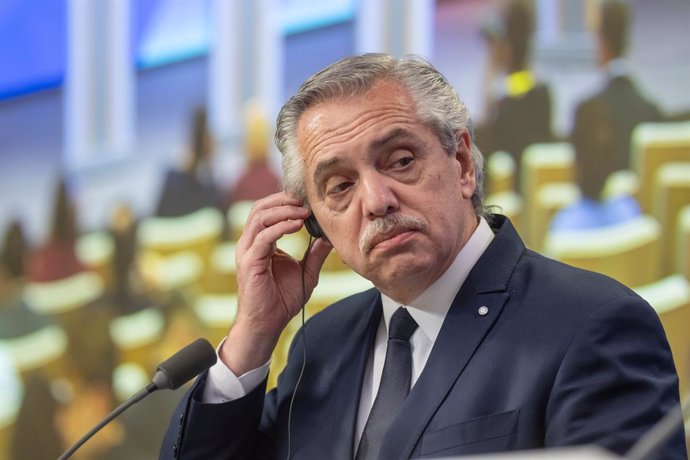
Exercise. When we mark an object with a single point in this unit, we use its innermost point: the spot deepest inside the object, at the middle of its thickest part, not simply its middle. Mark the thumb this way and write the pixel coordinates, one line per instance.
(317, 256)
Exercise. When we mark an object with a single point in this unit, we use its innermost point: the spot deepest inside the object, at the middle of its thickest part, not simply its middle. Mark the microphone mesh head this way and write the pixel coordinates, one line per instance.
(187, 363)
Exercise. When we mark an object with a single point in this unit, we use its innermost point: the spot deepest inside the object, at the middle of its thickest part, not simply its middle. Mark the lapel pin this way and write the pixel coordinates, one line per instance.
(483, 310)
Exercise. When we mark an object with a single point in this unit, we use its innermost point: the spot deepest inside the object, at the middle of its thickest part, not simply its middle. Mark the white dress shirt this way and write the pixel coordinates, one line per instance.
(428, 310)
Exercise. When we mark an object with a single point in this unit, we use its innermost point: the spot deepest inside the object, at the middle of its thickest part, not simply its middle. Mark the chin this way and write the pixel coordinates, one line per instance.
(401, 269)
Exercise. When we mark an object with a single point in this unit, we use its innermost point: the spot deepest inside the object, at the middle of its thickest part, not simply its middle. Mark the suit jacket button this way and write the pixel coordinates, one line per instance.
(181, 419)
(175, 450)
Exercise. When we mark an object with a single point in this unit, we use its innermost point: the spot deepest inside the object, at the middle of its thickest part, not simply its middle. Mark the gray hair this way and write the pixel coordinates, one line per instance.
(437, 104)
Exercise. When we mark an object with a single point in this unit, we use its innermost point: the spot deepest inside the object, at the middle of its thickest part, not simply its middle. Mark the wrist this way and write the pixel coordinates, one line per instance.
(243, 350)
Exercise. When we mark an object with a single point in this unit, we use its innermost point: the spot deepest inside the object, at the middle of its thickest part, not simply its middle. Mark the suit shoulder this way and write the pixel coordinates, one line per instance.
(573, 287)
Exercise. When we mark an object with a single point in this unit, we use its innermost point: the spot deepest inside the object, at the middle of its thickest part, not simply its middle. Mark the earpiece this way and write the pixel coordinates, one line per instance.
(313, 227)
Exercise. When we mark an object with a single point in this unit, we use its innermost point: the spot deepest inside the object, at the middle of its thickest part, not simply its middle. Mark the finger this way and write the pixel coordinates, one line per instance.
(264, 217)
(263, 245)
(316, 258)
(273, 200)
(271, 216)
(264, 222)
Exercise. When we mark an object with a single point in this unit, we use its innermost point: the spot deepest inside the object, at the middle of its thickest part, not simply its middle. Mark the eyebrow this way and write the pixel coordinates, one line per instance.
(395, 135)
(323, 168)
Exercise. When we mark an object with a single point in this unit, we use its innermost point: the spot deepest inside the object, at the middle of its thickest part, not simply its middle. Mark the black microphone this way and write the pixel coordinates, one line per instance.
(184, 365)
(171, 374)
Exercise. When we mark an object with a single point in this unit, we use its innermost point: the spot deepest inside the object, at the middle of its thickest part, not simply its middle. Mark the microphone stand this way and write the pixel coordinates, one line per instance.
(650, 442)
(172, 373)
(150, 388)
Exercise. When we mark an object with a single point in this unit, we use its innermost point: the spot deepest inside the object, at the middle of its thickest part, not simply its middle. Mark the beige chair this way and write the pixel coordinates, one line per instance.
(237, 215)
(500, 173)
(621, 183)
(136, 336)
(628, 252)
(220, 275)
(217, 312)
(549, 200)
(11, 390)
(654, 144)
(128, 379)
(174, 252)
(199, 232)
(295, 244)
(65, 299)
(181, 272)
(671, 193)
(42, 349)
(542, 164)
(682, 255)
(96, 251)
(670, 298)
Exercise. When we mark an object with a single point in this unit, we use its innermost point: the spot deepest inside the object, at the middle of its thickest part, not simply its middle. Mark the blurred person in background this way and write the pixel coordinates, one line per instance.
(57, 258)
(619, 95)
(36, 414)
(517, 109)
(258, 179)
(35, 434)
(594, 158)
(192, 187)
(14, 249)
(128, 293)
(85, 391)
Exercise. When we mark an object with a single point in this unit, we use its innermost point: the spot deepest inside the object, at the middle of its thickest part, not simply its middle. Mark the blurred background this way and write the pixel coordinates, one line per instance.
(135, 134)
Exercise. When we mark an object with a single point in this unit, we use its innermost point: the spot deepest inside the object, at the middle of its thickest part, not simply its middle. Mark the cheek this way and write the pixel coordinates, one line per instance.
(343, 232)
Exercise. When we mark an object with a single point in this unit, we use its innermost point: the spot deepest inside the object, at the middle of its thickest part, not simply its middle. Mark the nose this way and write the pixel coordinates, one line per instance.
(379, 199)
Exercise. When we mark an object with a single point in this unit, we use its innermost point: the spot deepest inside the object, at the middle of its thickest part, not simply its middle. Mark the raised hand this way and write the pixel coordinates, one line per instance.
(269, 281)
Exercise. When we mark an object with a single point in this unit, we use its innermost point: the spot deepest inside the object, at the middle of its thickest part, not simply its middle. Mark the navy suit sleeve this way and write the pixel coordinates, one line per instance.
(615, 382)
(214, 431)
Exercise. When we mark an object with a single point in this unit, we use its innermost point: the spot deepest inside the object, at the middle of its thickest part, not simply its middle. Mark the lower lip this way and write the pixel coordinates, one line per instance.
(394, 241)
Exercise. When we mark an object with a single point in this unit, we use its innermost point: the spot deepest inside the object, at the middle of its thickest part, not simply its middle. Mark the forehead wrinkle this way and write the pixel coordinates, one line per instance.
(398, 133)
(319, 139)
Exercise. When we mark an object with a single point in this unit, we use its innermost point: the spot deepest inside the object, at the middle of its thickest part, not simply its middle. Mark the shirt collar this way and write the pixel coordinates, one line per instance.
(430, 308)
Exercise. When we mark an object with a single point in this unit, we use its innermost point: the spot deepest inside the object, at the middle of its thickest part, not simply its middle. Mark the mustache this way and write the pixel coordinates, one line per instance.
(377, 229)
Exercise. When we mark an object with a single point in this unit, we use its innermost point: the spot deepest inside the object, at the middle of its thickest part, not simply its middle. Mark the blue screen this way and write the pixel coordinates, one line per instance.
(32, 45)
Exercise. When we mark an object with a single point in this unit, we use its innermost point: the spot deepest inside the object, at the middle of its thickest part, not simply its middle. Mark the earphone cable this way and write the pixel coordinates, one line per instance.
(304, 345)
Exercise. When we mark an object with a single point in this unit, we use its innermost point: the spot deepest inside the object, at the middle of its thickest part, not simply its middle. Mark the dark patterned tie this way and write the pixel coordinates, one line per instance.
(395, 384)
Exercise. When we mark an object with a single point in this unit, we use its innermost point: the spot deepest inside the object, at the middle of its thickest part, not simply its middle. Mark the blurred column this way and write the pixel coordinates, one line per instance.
(397, 27)
(245, 62)
(563, 31)
(99, 82)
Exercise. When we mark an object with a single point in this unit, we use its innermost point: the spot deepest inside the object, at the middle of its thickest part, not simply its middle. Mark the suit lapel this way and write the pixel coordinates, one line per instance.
(333, 429)
(462, 333)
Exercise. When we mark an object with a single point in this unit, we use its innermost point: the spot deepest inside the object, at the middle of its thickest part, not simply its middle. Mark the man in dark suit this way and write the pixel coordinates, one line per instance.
(469, 342)
(620, 97)
(517, 109)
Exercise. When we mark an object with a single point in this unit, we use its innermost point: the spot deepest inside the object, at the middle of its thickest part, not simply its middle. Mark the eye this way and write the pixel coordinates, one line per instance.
(337, 187)
(405, 161)
(400, 159)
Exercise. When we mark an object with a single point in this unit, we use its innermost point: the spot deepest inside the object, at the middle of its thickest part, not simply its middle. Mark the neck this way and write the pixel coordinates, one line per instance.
(407, 290)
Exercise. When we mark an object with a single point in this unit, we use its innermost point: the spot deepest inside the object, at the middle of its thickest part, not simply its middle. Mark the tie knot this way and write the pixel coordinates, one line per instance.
(402, 325)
